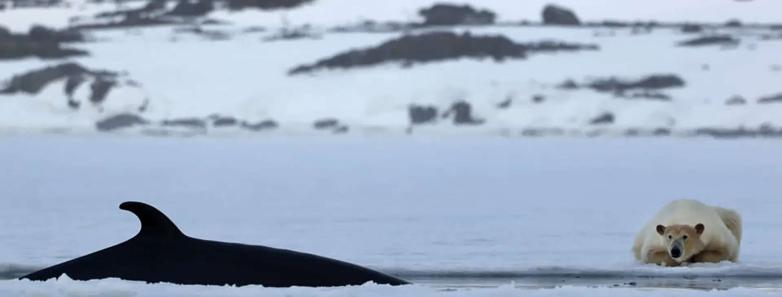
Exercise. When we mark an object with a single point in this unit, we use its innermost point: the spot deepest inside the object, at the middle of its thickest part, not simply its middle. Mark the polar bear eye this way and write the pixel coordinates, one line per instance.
(684, 237)
(670, 237)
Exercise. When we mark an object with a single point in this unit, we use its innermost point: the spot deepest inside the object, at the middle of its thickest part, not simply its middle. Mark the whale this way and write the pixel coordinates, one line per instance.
(160, 252)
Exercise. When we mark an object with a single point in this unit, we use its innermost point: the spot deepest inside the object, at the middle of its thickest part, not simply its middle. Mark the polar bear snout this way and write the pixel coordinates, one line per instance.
(676, 249)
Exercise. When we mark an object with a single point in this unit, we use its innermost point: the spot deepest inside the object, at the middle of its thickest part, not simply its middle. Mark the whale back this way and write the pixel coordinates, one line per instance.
(160, 252)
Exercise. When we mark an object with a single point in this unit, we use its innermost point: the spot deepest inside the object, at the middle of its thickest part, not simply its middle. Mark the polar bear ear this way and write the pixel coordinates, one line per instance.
(661, 229)
(699, 228)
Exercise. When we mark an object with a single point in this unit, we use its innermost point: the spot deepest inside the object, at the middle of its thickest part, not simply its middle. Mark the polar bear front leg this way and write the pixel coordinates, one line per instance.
(712, 256)
(660, 257)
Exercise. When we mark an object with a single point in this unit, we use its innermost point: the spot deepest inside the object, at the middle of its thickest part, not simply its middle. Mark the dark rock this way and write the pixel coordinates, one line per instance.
(538, 99)
(646, 88)
(661, 132)
(120, 121)
(221, 121)
(603, 119)
(34, 81)
(195, 123)
(554, 46)
(186, 8)
(4, 33)
(43, 34)
(437, 46)
(260, 126)
(692, 28)
(449, 14)
(208, 34)
(152, 7)
(645, 94)
(462, 114)
(265, 4)
(326, 124)
(733, 23)
(152, 14)
(723, 40)
(538, 132)
(557, 15)
(144, 105)
(568, 85)
(765, 130)
(505, 104)
(73, 104)
(615, 24)
(33, 3)
(100, 89)
(423, 48)
(208, 22)
(39, 42)
(73, 74)
(341, 129)
(652, 82)
(127, 23)
(771, 99)
(292, 34)
(73, 82)
(370, 26)
(736, 100)
(422, 114)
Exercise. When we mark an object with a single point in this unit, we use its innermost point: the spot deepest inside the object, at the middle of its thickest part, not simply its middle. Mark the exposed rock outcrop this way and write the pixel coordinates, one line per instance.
(420, 114)
(40, 42)
(186, 8)
(771, 99)
(461, 112)
(330, 124)
(120, 121)
(558, 15)
(652, 82)
(648, 87)
(603, 119)
(260, 126)
(74, 76)
(450, 14)
(721, 40)
(266, 4)
(438, 46)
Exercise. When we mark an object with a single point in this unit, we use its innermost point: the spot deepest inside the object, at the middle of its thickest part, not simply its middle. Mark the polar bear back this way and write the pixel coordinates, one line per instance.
(692, 212)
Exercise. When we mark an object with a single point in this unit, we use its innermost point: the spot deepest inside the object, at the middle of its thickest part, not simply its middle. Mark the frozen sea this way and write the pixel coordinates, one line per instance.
(459, 216)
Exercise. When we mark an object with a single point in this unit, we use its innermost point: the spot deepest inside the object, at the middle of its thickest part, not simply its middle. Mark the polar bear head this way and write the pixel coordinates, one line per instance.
(682, 241)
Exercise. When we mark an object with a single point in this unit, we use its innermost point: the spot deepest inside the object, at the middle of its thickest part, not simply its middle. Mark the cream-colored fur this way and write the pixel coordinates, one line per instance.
(719, 241)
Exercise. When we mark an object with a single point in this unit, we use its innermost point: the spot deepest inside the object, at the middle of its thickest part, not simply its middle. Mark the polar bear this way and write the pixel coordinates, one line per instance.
(688, 231)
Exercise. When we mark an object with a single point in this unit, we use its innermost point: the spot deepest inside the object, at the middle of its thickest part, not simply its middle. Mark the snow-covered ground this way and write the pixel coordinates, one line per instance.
(423, 208)
(186, 75)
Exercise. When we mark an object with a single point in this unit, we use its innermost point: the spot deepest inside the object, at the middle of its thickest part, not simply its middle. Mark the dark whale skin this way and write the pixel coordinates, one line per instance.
(160, 252)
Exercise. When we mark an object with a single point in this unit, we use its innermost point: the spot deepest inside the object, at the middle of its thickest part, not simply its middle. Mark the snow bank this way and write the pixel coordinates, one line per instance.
(119, 288)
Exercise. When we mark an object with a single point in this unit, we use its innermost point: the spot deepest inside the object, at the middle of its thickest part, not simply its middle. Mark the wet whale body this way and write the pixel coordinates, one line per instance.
(160, 252)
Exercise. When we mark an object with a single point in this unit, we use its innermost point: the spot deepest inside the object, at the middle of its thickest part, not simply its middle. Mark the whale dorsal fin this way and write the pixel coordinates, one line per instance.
(153, 222)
